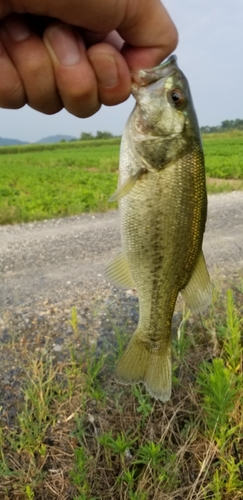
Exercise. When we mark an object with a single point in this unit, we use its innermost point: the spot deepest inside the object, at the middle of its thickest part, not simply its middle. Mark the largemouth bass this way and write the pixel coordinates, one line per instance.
(163, 206)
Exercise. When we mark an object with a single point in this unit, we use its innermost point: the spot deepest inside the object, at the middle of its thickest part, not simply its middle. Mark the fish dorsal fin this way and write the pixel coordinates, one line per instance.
(126, 187)
(117, 271)
(198, 292)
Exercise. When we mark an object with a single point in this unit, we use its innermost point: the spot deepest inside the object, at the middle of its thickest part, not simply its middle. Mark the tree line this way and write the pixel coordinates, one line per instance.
(88, 136)
(224, 127)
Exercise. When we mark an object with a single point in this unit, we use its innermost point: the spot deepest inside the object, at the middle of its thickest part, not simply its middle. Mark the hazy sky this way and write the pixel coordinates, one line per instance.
(210, 53)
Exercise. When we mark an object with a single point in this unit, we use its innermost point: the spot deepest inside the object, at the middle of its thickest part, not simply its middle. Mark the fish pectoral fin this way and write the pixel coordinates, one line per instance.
(198, 292)
(126, 187)
(118, 272)
(152, 367)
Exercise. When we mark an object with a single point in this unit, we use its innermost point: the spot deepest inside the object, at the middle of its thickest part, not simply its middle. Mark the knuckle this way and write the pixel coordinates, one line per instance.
(80, 89)
(112, 100)
(37, 67)
(48, 107)
(81, 99)
(113, 97)
(51, 109)
(83, 109)
(12, 94)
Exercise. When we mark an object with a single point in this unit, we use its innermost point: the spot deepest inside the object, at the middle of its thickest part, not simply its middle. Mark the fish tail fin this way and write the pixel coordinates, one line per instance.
(140, 363)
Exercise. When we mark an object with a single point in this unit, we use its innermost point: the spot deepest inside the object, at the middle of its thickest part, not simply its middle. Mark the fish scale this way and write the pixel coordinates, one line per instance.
(163, 205)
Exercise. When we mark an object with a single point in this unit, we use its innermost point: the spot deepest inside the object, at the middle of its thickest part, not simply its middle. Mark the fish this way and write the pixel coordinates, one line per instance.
(163, 209)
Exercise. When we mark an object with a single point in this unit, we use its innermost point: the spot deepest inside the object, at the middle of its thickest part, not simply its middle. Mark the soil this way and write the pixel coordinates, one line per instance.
(48, 267)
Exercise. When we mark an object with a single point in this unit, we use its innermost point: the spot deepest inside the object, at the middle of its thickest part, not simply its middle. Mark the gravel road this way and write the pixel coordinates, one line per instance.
(47, 267)
(56, 260)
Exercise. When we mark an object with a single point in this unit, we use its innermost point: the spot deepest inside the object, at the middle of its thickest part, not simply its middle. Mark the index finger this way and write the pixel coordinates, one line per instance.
(149, 33)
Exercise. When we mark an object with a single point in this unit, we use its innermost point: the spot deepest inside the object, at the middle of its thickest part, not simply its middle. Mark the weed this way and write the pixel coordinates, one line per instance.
(218, 391)
(79, 436)
(74, 320)
(144, 402)
(29, 492)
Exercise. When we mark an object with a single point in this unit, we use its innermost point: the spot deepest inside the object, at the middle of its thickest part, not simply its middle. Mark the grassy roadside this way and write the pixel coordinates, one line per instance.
(79, 436)
(41, 182)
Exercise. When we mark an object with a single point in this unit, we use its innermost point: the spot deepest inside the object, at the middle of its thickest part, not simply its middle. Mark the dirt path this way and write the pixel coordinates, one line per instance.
(55, 260)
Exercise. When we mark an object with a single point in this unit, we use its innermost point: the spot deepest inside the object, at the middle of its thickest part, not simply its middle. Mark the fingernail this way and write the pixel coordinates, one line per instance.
(64, 45)
(106, 70)
(17, 29)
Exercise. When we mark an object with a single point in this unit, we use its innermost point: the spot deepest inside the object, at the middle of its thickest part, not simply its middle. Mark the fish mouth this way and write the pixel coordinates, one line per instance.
(144, 77)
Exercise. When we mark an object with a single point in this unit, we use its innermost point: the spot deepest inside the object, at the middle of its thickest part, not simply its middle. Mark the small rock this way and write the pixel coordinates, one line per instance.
(57, 347)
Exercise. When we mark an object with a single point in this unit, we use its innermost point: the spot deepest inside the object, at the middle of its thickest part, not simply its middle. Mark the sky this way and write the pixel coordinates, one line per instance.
(210, 53)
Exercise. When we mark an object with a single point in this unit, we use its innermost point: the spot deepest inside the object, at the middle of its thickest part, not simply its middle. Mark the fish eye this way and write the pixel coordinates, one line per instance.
(177, 97)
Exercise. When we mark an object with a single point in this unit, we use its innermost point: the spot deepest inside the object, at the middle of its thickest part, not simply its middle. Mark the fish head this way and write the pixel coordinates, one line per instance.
(163, 124)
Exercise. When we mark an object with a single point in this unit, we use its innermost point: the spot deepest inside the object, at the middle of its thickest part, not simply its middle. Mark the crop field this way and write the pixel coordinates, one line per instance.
(224, 155)
(40, 182)
(46, 183)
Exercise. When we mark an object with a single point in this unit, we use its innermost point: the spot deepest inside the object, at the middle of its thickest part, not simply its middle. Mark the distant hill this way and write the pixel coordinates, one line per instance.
(11, 142)
(56, 138)
(46, 140)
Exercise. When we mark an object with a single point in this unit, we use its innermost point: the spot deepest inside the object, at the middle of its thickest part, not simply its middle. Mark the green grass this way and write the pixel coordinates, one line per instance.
(41, 182)
(224, 155)
(80, 436)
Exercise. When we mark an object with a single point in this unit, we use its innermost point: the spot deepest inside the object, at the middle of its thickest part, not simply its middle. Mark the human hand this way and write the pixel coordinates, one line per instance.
(79, 60)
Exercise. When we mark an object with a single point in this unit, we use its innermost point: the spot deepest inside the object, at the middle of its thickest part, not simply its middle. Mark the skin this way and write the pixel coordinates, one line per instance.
(79, 53)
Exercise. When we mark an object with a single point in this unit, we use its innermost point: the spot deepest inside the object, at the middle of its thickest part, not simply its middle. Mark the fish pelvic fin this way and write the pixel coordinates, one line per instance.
(198, 292)
(152, 367)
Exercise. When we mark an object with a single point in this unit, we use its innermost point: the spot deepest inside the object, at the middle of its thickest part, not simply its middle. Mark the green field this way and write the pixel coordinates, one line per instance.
(224, 155)
(41, 182)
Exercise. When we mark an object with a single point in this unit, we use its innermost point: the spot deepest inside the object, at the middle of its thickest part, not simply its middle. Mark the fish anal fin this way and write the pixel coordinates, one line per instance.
(126, 187)
(198, 292)
(153, 368)
(117, 271)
